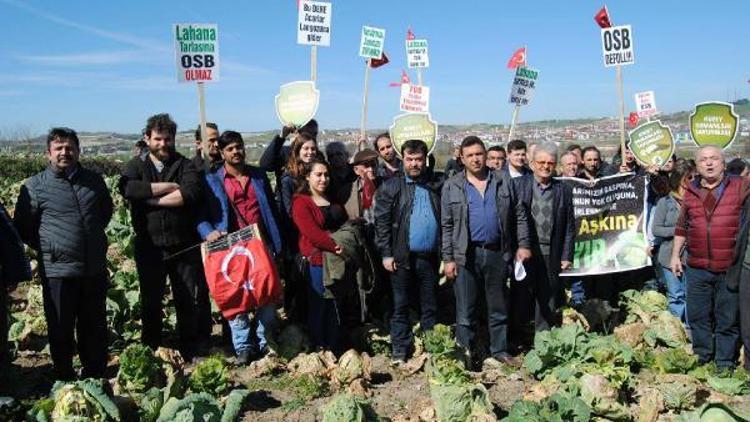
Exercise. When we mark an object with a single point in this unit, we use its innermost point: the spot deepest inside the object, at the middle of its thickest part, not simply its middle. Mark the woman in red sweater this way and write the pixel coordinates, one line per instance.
(316, 218)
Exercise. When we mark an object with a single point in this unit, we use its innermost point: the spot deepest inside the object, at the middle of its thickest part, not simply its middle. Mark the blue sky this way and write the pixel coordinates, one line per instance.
(100, 65)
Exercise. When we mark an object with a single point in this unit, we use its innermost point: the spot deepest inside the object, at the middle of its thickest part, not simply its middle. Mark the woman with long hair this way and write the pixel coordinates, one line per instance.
(316, 217)
(664, 220)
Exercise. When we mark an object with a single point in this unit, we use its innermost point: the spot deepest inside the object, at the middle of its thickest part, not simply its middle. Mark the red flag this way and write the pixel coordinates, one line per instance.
(518, 58)
(376, 63)
(404, 79)
(602, 18)
(409, 34)
(633, 119)
(240, 273)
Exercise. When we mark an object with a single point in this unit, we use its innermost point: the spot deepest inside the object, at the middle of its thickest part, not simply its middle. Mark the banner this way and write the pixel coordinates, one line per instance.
(197, 52)
(645, 104)
(314, 23)
(652, 143)
(371, 43)
(610, 224)
(240, 273)
(413, 126)
(524, 85)
(297, 103)
(415, 98)
(714, 123)
(617, 46)
(417, 53)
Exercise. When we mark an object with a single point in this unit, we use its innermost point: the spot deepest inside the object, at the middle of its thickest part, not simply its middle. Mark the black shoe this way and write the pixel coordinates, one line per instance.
(244, 357)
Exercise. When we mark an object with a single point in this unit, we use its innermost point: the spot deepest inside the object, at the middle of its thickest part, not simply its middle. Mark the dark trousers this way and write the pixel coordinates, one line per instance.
(744, 297)
(190, 294)
(536, 297)
(4, 350)
(712, 311)
(482, 278)
(77, 304)
(324, 321)
(419, 280)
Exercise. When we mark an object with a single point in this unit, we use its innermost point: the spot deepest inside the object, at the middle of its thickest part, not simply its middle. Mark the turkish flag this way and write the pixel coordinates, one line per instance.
(602, 18)
(404, 79)
(633, 119)
(376, 63)
(240, 273)
(518, 58)
(409, 34)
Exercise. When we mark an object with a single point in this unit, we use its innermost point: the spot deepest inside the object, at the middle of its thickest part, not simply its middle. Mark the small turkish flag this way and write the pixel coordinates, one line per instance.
(404, 79)
(409, 34)
(518, 58)
(376, 63)
(602, 18)
(633, 119)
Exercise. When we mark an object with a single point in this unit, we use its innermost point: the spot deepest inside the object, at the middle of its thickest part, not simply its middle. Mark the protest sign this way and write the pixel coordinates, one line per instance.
(297, 103)
(415, 98)
(523, 87)
(617, 46)
(714, 123)
(417, 53)
(610, 224)
(196, 52)
(652, 143)
(371, 43)
(645, 104)
(314, 23)
(413, 126)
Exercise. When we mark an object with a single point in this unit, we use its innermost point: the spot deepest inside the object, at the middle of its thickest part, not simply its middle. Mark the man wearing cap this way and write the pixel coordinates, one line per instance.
(360, 203)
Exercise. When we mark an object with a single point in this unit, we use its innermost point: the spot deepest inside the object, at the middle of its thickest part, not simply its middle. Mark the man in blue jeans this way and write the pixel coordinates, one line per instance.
(709, 224)
(483, 228)
(407, 215)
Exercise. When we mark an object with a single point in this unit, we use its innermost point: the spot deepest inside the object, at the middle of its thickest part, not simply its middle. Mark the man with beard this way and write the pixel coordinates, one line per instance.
(62, 213)
(592, 163)
(240, 195)
(390, 164)
(407, 215)
(163, 189)
(207, 148)
(483, 228)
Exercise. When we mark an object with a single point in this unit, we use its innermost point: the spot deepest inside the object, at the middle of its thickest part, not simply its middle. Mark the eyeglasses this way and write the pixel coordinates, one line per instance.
(545, 163)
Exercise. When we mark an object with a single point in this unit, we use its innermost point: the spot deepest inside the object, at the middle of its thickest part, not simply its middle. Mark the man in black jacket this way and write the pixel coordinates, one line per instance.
(550, 206)
(407, 231)
(62, 213)
(164, 189)
(484, 228)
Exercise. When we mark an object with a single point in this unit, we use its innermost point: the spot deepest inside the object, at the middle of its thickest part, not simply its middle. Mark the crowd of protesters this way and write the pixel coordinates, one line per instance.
(365, 238)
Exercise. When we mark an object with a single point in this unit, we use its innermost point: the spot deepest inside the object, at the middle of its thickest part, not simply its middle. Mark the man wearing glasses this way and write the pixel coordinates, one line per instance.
(552, 230)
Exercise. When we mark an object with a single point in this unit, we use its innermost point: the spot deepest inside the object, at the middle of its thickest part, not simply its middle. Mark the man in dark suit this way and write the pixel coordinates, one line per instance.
(550, 206)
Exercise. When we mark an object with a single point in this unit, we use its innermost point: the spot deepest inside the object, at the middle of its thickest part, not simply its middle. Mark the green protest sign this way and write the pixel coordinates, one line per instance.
(652, 143)
(297, 103)
(413, 126)
(714, 123)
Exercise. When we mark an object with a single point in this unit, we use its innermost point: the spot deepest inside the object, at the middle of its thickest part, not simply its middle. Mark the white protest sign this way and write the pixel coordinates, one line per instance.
(314, 23)
(371, 44)
(417, 53)
(645, 104)
(415, 98)
(197, 52)
(523, 87)
(617, 46)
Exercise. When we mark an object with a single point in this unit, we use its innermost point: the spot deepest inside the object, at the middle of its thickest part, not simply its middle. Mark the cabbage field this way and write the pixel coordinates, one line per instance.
(631, 362)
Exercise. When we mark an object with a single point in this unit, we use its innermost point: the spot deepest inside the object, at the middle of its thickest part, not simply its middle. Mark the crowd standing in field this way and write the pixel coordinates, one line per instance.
(363, 238)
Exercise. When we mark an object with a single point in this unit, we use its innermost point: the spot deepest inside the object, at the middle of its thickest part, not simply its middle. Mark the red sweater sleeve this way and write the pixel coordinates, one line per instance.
(303, 215)
(681, 227)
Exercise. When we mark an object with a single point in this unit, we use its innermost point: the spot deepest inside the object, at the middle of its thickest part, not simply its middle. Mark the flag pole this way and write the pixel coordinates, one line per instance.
(517, 108)
(419, 76)
(314, 63)
(202, 111)
(363, 123)
(618, 70)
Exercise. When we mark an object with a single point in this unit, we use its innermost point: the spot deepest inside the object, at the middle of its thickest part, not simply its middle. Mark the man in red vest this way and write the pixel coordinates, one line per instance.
(709, 224)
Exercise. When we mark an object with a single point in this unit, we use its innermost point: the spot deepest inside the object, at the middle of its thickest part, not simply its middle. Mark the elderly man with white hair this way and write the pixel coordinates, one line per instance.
(708, 226)
(552, 227)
